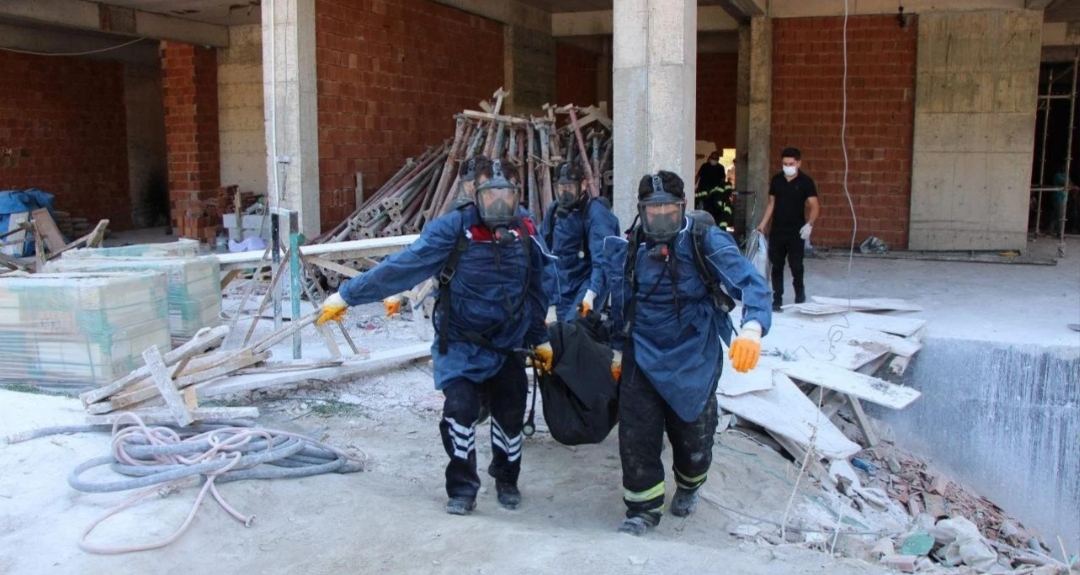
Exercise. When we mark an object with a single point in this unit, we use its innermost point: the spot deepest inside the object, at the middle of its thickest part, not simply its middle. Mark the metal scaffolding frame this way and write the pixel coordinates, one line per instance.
(1044, 107)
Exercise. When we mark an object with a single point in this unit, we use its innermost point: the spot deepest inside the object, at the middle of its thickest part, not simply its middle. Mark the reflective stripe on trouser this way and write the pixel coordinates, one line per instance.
(507, 391)
(644, 416)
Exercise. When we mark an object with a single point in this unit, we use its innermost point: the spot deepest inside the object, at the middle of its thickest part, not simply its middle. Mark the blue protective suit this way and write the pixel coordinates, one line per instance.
(575, 239)
(496, 291)
(679, 350)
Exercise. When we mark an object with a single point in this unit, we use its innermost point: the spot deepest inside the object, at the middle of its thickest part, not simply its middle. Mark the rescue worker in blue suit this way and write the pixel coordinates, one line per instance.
(574, 228)
(668, 329)
(492, 304)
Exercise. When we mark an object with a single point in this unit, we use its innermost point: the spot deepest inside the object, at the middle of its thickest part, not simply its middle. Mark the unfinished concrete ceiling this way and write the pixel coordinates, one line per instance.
(1063, 11)
(584, 5)
(223, 12)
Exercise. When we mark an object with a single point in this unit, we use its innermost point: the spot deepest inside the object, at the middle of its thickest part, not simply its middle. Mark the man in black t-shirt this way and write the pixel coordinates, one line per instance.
(790, 192)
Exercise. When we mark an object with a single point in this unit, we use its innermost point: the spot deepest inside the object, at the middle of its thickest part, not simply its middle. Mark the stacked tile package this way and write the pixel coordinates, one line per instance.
(85, 328)
(181, 248)
(194, 284)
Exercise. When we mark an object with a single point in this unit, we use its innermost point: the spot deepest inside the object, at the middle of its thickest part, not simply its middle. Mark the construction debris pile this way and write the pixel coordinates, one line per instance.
(818, 366)
(426, 186)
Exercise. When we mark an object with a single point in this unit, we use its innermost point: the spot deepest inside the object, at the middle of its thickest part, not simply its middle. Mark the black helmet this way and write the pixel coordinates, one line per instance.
(662, 208)
(568, 185)
(497, 199)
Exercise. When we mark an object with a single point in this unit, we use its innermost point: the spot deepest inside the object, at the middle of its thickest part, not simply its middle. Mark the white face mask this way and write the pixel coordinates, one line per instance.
(790, 171)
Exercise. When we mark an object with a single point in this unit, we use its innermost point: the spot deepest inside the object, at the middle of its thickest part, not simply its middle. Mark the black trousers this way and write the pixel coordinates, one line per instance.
(791, 247)
(507, 391)
(644, 416)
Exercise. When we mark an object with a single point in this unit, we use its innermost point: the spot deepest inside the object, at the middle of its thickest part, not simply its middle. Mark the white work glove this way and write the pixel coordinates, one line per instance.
(806, 230)
(334, 308)
(746, 349)
(552, 315)
(586, 303)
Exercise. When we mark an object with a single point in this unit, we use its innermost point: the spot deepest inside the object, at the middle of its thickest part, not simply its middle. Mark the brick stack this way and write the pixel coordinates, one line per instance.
(67, 114)
(191, 137)
(390, 76)
(806, 113)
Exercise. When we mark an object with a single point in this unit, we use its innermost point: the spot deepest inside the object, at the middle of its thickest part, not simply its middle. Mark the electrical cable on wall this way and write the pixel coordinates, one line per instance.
(87, 53)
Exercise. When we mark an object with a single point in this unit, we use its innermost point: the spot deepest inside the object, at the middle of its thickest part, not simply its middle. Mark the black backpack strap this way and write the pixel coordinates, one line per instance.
(629, 275)
(702, 221)
(446, 275)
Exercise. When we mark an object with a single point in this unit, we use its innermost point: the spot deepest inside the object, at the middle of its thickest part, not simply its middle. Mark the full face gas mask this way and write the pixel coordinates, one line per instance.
(497, 200)
(661, 214)
(568, 190)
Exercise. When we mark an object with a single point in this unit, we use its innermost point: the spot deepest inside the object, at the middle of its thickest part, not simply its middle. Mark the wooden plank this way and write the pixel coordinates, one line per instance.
(328, 339)
(162, 415)
(864, 422)
(849, 382)
(377, 361)
(14, 246)
(10, 262)
(278, 336)
(46, 226)
(229, 277)
(159, 373)
(197, 345)
(760, 378)
(129, 399)
(798, 453)
(786, 411)
(332, 266)
(90, 240)
(879, 304)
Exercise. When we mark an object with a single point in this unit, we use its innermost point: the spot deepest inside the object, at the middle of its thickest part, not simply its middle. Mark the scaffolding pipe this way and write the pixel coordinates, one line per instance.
(1068, 153)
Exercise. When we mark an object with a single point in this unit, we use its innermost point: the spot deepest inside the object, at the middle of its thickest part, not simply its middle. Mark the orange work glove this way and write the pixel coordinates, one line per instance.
(334, 308)
(616, 365)
(586, 304)
(746, 349)
(392, 305)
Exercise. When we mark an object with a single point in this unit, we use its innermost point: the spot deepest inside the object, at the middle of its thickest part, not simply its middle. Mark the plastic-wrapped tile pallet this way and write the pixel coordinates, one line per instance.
(80, 328)
(194, 285)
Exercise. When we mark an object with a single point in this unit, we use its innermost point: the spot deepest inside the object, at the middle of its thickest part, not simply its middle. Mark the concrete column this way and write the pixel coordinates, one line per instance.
(289, 95)
(754, 175)
(604, 73)
(742, 109)
(655, 82)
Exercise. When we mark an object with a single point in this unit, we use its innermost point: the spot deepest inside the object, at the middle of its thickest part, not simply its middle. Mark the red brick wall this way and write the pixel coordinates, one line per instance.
(575, 75)
(806, 113)
(717, 77)
(68, 114)
(190, 89)
(391, 75)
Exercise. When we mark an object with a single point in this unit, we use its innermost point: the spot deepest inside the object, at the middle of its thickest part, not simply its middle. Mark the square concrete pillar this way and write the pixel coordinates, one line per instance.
(755, 172)
(654, 61)
(289, 96)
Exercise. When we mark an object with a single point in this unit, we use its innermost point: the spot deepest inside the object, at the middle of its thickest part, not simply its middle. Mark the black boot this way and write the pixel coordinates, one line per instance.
(509, 496)
(684, 502)
(460, 506)
(776, 307)
(800, 297)
(639, 523)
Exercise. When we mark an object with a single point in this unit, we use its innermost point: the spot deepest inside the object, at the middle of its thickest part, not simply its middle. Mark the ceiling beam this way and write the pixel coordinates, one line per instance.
(601, 22)
(1037, 4)
(509, 12)
(84, 15)
(743, 10)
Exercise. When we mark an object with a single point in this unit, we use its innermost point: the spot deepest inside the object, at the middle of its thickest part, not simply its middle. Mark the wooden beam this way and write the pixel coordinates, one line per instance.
(165, 386)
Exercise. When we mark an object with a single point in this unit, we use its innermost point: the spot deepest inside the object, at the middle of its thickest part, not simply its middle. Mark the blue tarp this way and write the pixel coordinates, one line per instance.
(17, 201)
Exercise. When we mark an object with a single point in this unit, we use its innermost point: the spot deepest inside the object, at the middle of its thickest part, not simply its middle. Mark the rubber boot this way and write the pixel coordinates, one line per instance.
(684, 502)
(639, 524)
(509, 496)
(460, 506)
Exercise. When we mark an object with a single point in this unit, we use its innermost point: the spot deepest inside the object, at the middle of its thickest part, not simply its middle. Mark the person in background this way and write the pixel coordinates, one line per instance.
(710, 175)
(791, 194)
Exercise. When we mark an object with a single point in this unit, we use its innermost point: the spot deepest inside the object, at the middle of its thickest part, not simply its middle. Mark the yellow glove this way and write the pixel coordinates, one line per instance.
(392, 305)
(616, 365)
(746, 349)
(585, 306)
(543, 357)
(334, 308)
